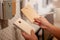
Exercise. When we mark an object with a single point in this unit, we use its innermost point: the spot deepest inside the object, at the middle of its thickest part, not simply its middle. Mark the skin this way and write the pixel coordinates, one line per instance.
(29, 37)
(44, 24)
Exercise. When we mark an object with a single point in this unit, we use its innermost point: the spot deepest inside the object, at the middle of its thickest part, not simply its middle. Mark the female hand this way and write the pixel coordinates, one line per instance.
(29, 37)
(43, 22)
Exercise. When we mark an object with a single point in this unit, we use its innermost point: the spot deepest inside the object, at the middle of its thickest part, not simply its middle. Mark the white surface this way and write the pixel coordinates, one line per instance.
(45, 10)
(24, 26)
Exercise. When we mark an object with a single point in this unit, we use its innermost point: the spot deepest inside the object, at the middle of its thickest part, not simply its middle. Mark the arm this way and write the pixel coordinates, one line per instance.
(54, 30)
(43, 23)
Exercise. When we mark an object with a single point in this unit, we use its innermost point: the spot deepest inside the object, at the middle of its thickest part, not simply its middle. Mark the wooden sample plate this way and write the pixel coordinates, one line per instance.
(24, 26)
(30, 13)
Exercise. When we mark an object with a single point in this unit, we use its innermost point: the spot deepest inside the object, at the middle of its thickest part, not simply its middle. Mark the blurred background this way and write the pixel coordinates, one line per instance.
(10, 12)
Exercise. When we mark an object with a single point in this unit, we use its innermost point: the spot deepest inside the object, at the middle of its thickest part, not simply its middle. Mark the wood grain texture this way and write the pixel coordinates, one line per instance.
(30, 13)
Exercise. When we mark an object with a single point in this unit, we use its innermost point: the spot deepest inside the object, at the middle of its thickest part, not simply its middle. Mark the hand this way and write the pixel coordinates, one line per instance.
(43, 22)
(29, 37)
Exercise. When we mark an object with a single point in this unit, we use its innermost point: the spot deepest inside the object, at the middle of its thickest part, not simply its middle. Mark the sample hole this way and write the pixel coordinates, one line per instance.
(19, 21)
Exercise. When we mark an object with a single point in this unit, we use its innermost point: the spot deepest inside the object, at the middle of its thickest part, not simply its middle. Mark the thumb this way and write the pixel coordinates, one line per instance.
(25, 35)
(33, 33)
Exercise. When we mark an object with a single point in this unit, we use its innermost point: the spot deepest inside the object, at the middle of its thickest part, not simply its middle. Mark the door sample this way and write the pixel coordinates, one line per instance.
(24, 26)
(7, 8)
(30, 13)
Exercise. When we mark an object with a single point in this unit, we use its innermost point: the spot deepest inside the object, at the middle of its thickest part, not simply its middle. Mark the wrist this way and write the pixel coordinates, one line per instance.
(49, 26)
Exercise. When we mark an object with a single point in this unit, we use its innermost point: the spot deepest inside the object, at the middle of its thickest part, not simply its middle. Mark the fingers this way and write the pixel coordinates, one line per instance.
(37, 21)
(26, 36)
(30, 37)
(33, 35)
(43, 27)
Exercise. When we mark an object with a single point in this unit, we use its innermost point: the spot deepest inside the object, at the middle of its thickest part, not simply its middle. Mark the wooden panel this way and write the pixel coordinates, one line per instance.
(24, 26)
(13, 7)
(7, 9)
(30, 13)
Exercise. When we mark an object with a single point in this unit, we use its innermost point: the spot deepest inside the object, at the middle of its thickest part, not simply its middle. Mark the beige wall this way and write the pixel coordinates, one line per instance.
(57, 14)
(57, 9)
(57, 4)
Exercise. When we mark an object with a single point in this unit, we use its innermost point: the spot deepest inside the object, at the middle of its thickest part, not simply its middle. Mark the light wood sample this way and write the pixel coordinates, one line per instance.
(30, 13)
(24, 26)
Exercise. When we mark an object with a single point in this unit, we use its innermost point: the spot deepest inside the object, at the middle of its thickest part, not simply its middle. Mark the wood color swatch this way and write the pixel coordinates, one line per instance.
(24, 26)
(30, 13)
(7, 9)
(13, 7)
